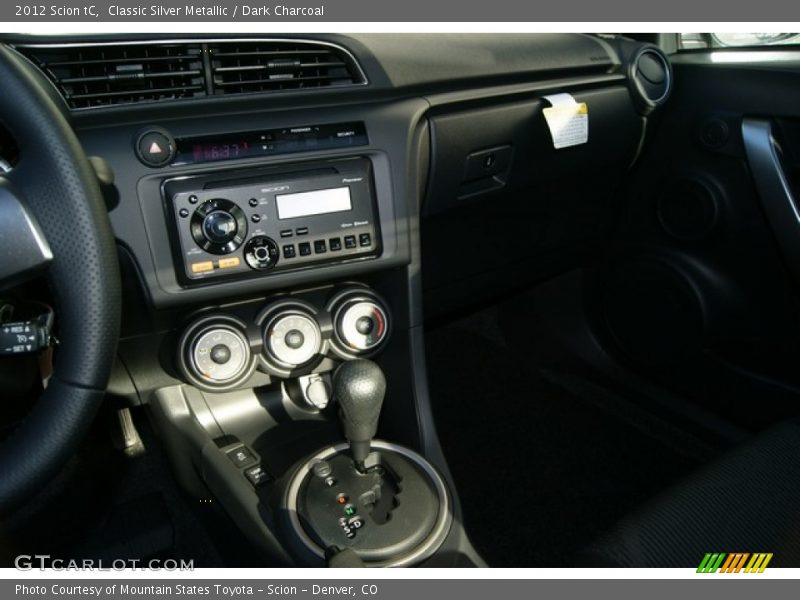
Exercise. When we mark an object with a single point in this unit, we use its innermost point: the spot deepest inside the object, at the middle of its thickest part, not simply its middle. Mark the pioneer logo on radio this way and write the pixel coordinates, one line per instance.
(277, 188)
(352, 179)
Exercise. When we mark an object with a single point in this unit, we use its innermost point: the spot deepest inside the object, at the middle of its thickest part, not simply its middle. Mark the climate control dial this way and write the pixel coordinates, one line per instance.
(361, 322)
(215, 352)
(292, 339)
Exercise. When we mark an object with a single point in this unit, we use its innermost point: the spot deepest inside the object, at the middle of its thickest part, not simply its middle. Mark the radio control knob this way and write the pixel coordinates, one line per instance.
(219, 227)
(261, 253)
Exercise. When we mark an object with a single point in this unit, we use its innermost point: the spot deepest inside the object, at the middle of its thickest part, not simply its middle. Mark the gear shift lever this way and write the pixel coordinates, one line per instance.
(359, 387)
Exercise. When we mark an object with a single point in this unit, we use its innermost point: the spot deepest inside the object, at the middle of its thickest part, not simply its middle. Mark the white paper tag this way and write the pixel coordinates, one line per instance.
(568, 120)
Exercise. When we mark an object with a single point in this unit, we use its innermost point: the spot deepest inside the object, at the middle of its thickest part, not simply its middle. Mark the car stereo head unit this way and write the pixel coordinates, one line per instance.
(249, 223)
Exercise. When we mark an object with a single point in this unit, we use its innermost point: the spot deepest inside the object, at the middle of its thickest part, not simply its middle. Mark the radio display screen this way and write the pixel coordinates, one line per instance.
(269, 142)
(316, 202)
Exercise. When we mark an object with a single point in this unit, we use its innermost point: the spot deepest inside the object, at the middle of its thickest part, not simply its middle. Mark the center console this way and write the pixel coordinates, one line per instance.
(284, 374)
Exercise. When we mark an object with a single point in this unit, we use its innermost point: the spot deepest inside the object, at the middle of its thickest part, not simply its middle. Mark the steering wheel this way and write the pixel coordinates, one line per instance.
(53, 184)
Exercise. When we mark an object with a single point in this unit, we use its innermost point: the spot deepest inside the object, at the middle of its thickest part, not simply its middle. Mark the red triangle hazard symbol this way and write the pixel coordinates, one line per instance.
(155, 148)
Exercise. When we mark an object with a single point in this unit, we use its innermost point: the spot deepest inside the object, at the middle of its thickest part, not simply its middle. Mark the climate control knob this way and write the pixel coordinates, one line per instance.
(362, 324)
(215, 352)
(292, 339)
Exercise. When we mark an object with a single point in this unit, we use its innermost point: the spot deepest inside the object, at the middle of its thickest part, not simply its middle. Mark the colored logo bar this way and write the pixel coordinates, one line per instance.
(736, 562)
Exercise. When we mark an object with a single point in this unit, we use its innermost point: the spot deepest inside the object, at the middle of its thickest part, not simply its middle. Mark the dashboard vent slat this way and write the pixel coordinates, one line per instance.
(271, 66)
(104, 75)
(108, 74)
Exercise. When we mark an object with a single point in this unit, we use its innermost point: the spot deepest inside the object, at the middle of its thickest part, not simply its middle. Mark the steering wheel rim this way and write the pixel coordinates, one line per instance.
(60, 189)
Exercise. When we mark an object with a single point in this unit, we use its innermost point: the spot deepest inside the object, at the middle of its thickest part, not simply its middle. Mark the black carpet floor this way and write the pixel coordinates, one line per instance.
(543, 462)
(107, 506)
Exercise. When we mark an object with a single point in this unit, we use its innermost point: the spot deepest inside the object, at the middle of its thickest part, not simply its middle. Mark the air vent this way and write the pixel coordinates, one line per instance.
(271, 66)
(110, 74)
(651, 75)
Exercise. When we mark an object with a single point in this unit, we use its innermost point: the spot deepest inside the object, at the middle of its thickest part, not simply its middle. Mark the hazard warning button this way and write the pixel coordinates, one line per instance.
(155, 148)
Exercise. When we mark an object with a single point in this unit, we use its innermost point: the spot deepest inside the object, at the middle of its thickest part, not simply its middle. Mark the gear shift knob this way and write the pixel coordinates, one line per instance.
(359, 387)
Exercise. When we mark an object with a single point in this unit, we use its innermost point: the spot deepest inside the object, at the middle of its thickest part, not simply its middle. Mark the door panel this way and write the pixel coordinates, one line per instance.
(701, 291)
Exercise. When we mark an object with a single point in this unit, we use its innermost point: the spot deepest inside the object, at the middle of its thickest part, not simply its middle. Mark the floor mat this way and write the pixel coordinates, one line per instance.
(543, 462)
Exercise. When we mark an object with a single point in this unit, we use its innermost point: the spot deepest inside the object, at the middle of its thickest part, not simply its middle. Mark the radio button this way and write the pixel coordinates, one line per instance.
(286, 233)
(253, 202)
(229, 263)
(184, 212)
(365, 239)
(335, 244)
(319, 247)
(288, 251)
(202, 267)
(305, 249)
(193, 199)
(302, 231)
(255, 218)
(349, 241)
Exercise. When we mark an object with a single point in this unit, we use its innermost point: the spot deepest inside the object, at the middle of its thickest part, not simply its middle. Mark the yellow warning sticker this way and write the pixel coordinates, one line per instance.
(567, 120)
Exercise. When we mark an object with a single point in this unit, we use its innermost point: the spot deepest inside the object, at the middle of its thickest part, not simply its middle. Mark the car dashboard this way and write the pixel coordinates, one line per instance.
(283, 206)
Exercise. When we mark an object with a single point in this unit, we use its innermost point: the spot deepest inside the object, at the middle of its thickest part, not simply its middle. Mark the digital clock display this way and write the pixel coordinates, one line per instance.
(269, 142)
(208, 152)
